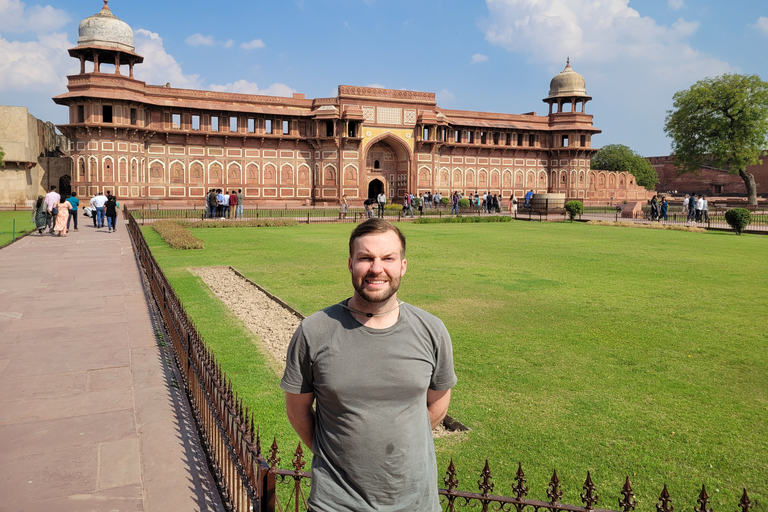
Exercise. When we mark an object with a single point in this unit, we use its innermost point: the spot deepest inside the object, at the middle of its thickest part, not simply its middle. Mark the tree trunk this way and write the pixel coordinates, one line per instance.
(749, 182)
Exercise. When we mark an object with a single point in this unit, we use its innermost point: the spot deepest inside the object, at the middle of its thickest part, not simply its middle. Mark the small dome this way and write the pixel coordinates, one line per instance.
(105, 29)
(568, 83)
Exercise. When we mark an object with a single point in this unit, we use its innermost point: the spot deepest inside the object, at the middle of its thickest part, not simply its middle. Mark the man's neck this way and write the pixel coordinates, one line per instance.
(386, 313)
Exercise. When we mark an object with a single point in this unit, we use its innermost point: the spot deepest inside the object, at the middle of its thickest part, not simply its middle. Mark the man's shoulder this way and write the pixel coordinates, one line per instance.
(424, 317)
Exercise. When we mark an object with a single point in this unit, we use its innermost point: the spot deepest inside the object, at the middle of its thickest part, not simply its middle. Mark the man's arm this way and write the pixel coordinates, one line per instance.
(437, 405)
(298, 407)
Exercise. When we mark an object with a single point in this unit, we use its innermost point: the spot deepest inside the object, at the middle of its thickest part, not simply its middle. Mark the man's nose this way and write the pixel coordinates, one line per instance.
(376, 266)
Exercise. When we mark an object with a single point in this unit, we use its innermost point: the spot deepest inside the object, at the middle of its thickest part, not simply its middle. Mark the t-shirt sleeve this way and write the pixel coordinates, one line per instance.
(297, 377)
(443, 376)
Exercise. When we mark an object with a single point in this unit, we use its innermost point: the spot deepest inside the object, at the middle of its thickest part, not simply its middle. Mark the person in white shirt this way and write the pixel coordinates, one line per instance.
(699, 208)
(225, 206)
(98, 202)
(704, 210)
(52, 200)
(381, 199)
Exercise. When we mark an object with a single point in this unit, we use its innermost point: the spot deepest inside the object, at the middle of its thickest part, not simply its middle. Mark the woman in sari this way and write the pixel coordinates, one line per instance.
(61, 219)
(39, 214)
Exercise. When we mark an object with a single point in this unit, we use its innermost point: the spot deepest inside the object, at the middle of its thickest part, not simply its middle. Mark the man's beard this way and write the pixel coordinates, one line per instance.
(376, 297)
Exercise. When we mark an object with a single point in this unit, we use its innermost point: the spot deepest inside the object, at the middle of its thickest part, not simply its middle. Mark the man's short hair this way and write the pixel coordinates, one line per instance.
(53, 187)
(375, 226)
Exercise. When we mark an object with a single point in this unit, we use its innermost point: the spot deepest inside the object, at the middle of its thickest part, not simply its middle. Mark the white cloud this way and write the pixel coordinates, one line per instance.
(252, 45)
(200, 40)
(229, 44)
(478, 58)
(246, 87)
(676, 5)
(376, 86)
(762, 24)
(41, 65)
(159, 67)
(445, 96)
(16, 17)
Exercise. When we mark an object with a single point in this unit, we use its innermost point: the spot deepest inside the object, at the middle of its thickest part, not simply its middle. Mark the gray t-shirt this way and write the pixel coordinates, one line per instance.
(373, 447)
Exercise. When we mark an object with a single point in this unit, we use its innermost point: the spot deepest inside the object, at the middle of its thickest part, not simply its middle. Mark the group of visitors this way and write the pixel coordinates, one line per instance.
(659, 208)
(487, 203)
(57, 214)
(222, 205)
(697, 208)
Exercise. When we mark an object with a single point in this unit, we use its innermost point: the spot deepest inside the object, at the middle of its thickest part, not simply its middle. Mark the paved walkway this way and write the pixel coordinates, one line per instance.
(91, 416)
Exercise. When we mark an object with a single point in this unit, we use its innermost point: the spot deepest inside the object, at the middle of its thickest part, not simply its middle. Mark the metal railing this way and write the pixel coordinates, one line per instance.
(248, 479)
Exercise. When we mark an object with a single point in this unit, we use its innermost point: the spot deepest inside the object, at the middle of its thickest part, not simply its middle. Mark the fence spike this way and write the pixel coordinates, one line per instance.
(274, 460)
(627, 502)
(520, 489)
(258, 439)
(703, 501)
(589, 498)
(484, 484)
(665, 503)
(553, 489)
(744, 503)
(451, 479)
(298, 459)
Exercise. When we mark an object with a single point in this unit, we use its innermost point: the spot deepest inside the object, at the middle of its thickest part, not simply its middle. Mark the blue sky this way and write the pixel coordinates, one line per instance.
(493, 55)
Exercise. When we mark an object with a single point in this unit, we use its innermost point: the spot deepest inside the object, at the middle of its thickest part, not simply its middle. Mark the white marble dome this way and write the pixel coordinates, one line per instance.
(106, 30)
(568, 83)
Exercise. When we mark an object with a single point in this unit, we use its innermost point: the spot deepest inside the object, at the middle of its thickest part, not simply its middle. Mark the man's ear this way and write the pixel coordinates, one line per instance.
(403, 266)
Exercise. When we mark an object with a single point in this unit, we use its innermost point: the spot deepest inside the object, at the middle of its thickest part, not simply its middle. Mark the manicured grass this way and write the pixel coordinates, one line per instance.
(619, 351)
(23, 225)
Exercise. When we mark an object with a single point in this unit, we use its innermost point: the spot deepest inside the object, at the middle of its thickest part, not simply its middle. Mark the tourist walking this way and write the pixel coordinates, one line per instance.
(381, 199)
(654, 209)
(75, 202)
(110, 210)
(692, 208)
(455, 203)
(240, 202)
(664, 206)
(52, 200)
(705, 209)
(61, 214)
(512, 205)
(40, 214)
(233, 205)
(344, 207)
(98, 203)
(685, 204)
(210, 204)
(699, 208)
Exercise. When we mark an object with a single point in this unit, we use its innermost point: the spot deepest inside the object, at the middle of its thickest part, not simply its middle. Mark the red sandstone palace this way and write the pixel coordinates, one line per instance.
(157, 143)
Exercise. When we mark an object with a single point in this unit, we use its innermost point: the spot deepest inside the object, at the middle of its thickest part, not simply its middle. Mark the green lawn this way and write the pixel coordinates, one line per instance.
(619, 351)
(23, 225)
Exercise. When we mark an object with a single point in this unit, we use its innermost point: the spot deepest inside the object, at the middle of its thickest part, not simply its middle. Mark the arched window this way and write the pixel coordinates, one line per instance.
(376, 164)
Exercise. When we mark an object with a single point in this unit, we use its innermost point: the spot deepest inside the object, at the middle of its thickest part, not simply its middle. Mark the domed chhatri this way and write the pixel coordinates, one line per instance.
(567, 83)
(104, 29)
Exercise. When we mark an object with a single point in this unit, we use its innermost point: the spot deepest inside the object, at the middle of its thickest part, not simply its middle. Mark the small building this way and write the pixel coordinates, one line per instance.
(34, 157)
(165, 145)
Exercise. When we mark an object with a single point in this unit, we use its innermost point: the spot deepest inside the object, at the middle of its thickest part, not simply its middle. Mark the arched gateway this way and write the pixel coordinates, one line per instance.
(387, 166)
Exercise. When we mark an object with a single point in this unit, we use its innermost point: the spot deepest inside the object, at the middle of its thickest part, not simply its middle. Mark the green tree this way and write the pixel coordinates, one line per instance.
(2, 155)
(618, 157)
(721, 122)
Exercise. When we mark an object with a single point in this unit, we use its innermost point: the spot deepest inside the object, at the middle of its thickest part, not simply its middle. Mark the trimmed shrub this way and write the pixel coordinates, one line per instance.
(574, 208)
(738, 219)
(176, 235)
(445, 200)
(249, 223)
(462, 220)
(668, 227)
(391, 206)
(464, 203)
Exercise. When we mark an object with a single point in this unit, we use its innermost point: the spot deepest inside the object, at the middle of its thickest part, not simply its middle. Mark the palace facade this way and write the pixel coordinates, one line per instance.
(162, 144)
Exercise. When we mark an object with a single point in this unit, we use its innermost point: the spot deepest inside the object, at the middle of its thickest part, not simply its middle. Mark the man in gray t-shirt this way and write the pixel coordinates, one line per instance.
(379, 373)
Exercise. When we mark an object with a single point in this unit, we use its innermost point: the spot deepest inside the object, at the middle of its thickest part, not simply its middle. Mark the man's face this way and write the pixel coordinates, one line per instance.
(376, 266)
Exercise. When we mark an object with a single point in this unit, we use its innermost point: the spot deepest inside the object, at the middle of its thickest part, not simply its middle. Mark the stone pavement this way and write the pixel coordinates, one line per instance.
(91, 414)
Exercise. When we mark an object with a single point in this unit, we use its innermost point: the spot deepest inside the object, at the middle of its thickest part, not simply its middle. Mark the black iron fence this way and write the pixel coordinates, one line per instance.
(251, 480)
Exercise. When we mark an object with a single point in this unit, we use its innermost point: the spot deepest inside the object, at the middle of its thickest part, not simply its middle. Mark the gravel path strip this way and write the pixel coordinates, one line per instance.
(272, 323)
